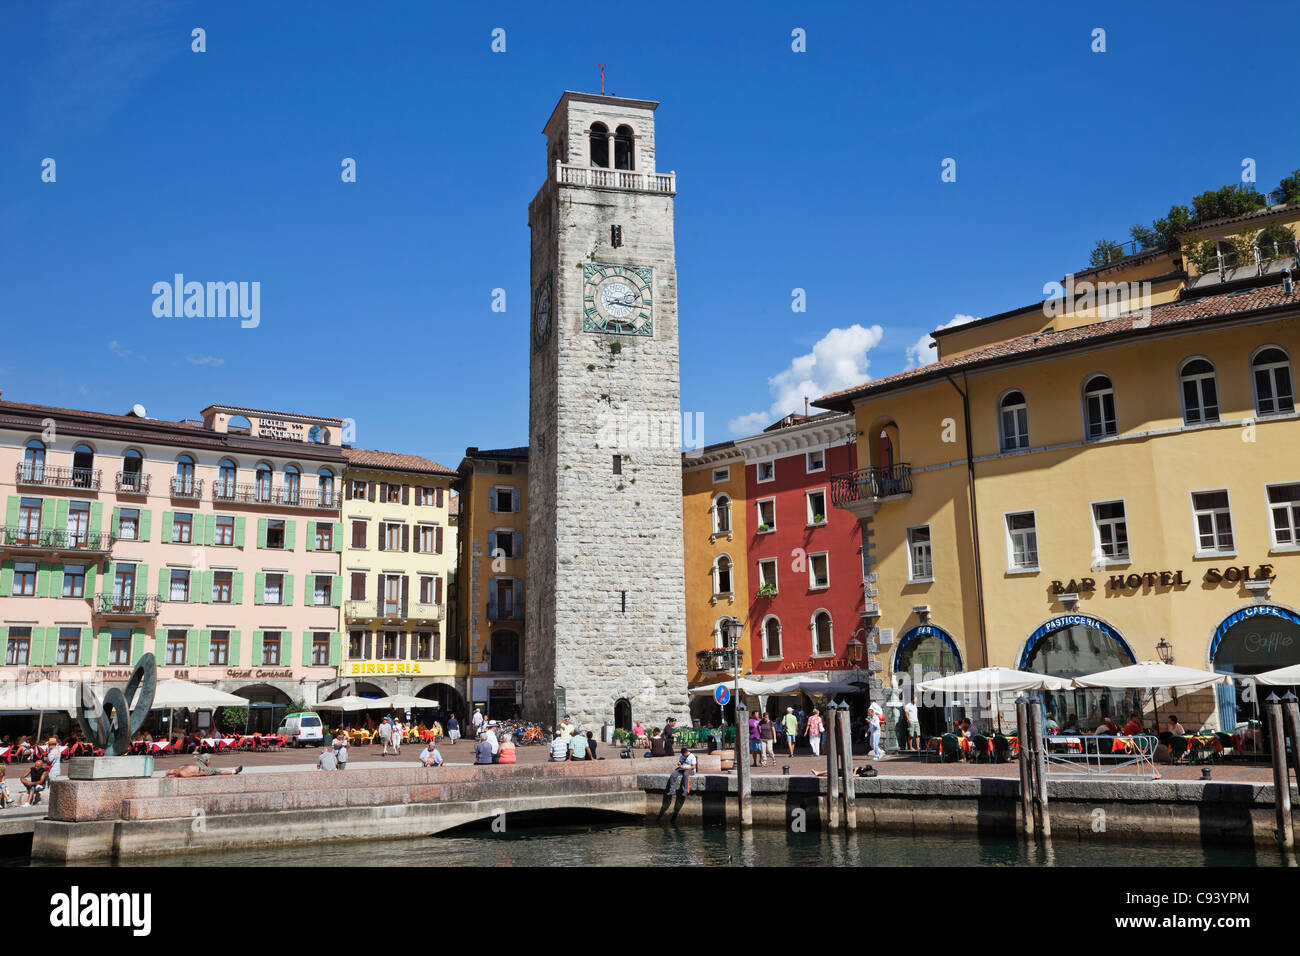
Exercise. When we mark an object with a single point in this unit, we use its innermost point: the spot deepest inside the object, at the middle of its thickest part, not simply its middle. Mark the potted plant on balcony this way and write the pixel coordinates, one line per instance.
(764, 527)
(819, 519)
(767, 590)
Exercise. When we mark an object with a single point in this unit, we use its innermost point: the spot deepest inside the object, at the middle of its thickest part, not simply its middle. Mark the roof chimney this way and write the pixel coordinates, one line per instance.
(805, 406)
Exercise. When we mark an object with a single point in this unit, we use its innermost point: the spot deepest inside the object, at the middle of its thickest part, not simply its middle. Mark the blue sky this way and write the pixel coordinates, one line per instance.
(816, 170)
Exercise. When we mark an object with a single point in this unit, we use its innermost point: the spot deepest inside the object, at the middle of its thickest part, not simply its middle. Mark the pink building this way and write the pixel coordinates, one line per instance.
(215, 544)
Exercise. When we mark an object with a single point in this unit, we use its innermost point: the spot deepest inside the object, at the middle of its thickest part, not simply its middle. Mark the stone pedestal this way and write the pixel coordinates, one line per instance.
(109, 768)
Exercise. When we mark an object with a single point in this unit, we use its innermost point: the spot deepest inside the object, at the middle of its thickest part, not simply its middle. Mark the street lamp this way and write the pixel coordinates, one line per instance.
(855, 648)
(1166, 651)
(732, 629)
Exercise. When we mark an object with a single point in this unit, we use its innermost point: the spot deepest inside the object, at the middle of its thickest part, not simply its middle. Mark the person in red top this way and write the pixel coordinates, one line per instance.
(1132, 728)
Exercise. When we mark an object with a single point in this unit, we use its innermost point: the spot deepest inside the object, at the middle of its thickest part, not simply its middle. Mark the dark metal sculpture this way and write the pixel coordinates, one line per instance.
(129, 709)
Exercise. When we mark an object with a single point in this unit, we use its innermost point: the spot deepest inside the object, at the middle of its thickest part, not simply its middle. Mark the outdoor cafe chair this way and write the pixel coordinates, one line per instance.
(1001, 749)
(1177, 747)
(949, 748)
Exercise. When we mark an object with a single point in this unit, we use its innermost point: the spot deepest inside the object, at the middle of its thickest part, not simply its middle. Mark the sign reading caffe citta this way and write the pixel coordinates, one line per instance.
(1120, 583)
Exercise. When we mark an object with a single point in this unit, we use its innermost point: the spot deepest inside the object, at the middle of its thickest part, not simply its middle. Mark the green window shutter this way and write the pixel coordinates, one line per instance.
(115, 529)
(286, 592)
(307, 638)
(192, 646)
(239, 532)
(4, 638)
(137, 645)
(89, 589)
(105, 638)
(108, 578)
(336, 590)
(336, 648)
(198, 649)
(164, 580)
(232, 654)
(141, 580)
(56, 581)
(311, 536)
(51, 646)
(36, 649)
(61, 516)
(259, 587)
(165, 532)
(142, 531)
(261, 532)
(42, 580)
(338, 536)
(83, 652)
(11, 512)
(96, 517)
(210, 530)
(237, 588)
(49, 514)
(308, 583)
(205, 593)
(286, 648)
(6, 578)
(160, 645)
(290, 535)
(257, 649)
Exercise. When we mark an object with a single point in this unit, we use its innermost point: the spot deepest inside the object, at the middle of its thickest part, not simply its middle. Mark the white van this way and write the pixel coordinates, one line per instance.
(302, 730)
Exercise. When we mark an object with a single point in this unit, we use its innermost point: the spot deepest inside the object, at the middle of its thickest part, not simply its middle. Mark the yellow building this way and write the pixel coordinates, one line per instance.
(398, 560)
(493, 488)
(1062, 494)
(715, 520)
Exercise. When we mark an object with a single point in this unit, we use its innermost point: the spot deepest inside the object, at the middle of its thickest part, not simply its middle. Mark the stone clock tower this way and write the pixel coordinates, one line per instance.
(605, 632)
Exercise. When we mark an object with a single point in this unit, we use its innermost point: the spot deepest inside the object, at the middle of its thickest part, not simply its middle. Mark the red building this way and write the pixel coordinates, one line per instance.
(803, 557)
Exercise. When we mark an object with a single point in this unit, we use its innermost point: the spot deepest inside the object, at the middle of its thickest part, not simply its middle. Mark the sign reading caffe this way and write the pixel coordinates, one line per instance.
(1120, 583)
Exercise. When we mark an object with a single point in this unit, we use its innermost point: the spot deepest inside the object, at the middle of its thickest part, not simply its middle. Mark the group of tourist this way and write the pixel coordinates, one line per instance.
(569, 743)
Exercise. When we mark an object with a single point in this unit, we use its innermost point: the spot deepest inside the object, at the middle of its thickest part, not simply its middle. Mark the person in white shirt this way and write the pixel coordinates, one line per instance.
(874, 713)
(396, 738)
(476, 722)
(913, 724)
(491, 737)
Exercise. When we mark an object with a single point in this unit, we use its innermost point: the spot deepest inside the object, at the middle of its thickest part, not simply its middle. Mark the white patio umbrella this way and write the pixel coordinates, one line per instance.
(40, 696)
(175, 694)
(747, 685)
(348, 703)
(993, 680)
(1281, 677)
(1153, 675)
(403, 702)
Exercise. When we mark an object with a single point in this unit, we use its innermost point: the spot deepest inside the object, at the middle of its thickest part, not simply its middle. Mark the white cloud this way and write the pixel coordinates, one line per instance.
(838, 361)
(116, 348)
(924, 352)
(211, 360)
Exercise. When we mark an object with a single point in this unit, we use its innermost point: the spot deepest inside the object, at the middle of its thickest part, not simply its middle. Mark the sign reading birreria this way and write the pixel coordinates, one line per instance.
(1119, 583)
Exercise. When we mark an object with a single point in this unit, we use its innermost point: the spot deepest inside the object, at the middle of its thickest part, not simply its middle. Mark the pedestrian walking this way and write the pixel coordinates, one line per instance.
(767, 738)
(396, 737)
(386, 734)
(903, 730)
(791, 725)
(874, 713)
(453, 730)
(55, 753)
(755, 741)
(476, 723)
(815, 732)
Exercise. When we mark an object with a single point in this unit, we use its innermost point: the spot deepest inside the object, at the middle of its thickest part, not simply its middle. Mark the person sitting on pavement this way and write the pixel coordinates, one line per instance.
(35, 780)
(201, 768)
(483, 752)
(429, 756)
(327, 760)
(6, 800)
(680, 778)
(559, 749)
(506, 752)
(591, 746)
(578, 747)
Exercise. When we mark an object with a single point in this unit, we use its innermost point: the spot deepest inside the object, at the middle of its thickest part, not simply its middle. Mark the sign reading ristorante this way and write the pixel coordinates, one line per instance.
(1118, 583)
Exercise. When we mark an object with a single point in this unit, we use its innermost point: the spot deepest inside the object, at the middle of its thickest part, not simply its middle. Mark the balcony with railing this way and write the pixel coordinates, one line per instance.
(605, 178)
(132, 483)
(185, 487)
(716, 659)
(50, 476)
(1228, 265)
(505, 611)
(126, 605)
(53, 541)
(287, 496)
(862, 491)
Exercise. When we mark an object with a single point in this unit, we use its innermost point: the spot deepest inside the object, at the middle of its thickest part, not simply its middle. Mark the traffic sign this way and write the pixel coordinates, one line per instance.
(722, 694)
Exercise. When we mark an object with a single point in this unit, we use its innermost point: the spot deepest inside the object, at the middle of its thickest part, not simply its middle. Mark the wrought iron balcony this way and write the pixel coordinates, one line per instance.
(81, 542)
(48, 476)
(183, 487)
(126, 605)
(719, 659)
(869, 486)
(503, 611)
(284, 496)
(132, 483)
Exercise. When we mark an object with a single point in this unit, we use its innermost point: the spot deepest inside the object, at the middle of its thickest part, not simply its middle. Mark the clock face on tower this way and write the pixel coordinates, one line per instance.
(542, 314)
(617, 299)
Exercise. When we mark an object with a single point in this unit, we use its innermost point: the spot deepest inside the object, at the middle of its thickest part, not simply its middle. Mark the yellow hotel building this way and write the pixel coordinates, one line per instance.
(399, 555)
(1069, 486)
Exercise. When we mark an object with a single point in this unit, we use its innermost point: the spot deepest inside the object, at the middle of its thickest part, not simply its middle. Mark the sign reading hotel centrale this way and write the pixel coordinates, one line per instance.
(279, 428)
(1119, 583)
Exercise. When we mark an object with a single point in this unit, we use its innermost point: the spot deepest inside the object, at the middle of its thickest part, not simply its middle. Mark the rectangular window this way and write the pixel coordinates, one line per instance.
(920, 556)
(322, 595)
(273, 586)
(1022, 542)
(270, 648)
(24, 579)
(1284, 511)
(119, 645)
(219, 648)
(618, 464)
(74, 580)
(426, 589)
(320, 649)
(222, 586)
(1110, 529)
(356, 645)
(175, 648)
(424, 497)
(124, 587)
(358, 585)
(359, 489)
(819, 571)
(19, 646)
(180, 586)
(324, 536)
(766, 471)
(1213, 517)
(29, 521)
(767, 515)
(359, 534)
(69, 649)
(721, 474)
(816, 461)
(505, 544)
(506, 597)
(767, 577)
(392, 537)
(78, 523)
(393, 594)
(816, 507)
(424, 539)
(128, 524)
(395, 494)
(182, 527)
(505, 500)
(424, 646)
(388, 645)
(275, 533)
(225, 531)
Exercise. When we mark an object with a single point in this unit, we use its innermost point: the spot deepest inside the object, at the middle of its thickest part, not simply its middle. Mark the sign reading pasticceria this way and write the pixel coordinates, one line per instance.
(1119, 583)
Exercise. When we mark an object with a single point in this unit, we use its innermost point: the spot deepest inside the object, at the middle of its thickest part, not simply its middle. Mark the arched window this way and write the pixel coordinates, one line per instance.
(184, 482)
(823, 643)
(227, 478)
(1099, 408)
(1199, 393)
(132, 470)
(262, 488)
(771, 638)
(34, 461)
(719, 638)
(722, 514)
(599, 145)
(325, 487)
(316, 434)
(722, 575)
(624, 154)
(292, 484)
(505, 651)
(1274, 391)
(83, 466)
(1013, 421)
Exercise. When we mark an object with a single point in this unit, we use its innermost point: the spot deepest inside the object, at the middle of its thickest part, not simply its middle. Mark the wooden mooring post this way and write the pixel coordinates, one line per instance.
(1040, 770)
(1026, 766)
(832, 767)
(846, 764)
(744, 794)
(1281, 775)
